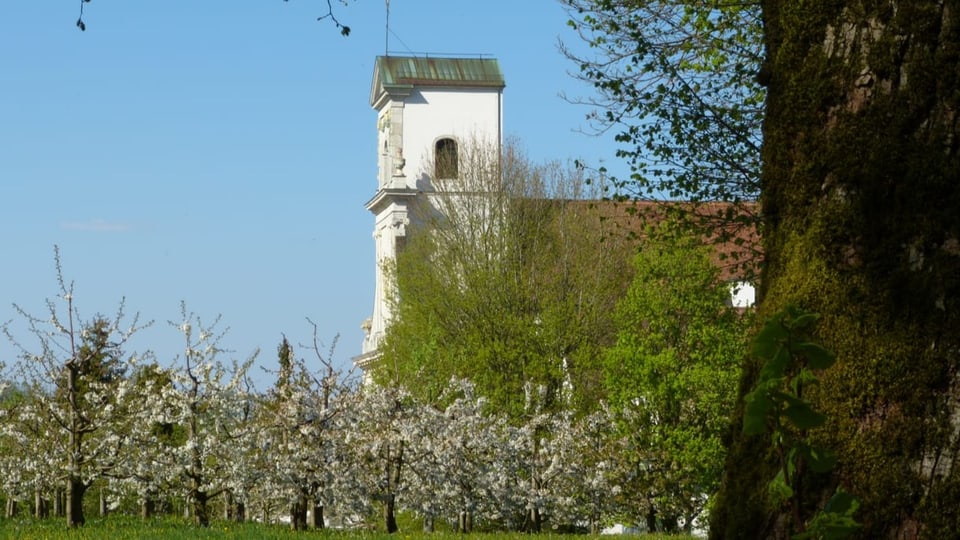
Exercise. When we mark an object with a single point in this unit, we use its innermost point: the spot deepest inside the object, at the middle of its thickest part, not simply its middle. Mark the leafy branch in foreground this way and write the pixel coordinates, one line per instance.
(777, 404)
(678, 83)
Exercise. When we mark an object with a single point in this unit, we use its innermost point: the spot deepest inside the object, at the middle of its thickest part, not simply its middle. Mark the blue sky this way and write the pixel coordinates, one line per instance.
(220, 153)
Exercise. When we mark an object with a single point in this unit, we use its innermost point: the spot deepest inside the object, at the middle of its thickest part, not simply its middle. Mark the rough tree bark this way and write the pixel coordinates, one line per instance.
(316, 515)
(861, 212)
(298, 514)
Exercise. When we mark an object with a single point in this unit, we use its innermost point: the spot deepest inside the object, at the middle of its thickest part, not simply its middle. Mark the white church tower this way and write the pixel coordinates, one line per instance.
(427, 109)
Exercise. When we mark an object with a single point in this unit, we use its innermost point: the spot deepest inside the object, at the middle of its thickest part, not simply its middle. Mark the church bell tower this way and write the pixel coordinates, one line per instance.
(427, 109)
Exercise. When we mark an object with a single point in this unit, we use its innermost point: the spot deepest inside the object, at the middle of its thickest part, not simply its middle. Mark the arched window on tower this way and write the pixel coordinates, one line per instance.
(445, 154)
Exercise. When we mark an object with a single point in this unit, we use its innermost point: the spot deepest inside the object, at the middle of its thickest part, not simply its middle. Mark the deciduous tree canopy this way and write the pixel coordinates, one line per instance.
(510, 280)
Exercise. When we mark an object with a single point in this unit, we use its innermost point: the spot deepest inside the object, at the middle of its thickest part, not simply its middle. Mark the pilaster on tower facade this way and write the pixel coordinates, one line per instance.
(428, 108)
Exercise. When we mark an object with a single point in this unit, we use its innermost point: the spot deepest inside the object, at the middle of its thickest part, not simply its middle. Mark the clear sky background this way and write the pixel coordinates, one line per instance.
(220, 153)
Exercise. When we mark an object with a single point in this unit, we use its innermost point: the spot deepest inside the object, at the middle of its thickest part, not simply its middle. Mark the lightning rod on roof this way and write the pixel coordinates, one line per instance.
(386, 33)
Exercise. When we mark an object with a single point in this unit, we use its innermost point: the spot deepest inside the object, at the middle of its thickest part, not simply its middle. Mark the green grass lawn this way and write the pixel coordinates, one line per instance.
(126, 527)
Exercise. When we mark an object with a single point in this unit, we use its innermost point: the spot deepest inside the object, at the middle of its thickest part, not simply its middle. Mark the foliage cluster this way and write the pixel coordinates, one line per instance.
(513, 282)
(857, 180)
(673, 373)
(509, 277)
(678, 84)
(777, 404)
(196, 436)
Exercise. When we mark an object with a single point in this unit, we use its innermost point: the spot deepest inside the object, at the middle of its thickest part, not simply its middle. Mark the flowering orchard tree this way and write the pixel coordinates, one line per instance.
(146, 474)
(385, 441)
(298, 434)
(79, 398)
(458, 443)
(213, 404)
(528, 468)
(593, 471)
(27, 451)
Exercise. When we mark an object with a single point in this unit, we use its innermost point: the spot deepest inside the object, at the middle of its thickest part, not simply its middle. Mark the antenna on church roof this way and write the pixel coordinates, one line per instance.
(386, 33)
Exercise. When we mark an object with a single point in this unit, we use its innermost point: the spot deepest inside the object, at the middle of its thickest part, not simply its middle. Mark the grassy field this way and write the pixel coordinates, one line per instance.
(122, 527)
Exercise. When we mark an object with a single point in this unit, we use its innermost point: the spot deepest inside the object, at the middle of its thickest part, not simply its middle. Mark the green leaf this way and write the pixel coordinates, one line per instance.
(802, 319)
(777, 364)
(842, 502)
(779, 490)
(803, 416)
(769, 339)
(836, 521)
(817, 356)
(804, 377)
(819, 459)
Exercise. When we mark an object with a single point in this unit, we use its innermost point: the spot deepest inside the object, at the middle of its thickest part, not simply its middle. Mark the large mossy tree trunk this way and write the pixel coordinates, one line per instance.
(861, 210)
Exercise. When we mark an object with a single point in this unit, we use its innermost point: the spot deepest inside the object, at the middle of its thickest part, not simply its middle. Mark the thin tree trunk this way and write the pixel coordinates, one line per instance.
(146, 508)
(316, 516)
(389, 514)
(11, 510)
(58, 502)
(651, 518)
(394, 468)
(103, 504)
(240, 515)
(465, 522)
(75, 485)
(201, 515)
(298, 514)
(75, 492)
(40, 508)
(534, 520)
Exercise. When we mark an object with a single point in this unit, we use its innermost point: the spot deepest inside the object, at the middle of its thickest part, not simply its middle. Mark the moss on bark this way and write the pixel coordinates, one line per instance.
(862, 220)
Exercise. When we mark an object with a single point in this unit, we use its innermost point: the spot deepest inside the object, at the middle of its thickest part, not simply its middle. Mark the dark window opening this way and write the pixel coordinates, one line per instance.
(446, 158)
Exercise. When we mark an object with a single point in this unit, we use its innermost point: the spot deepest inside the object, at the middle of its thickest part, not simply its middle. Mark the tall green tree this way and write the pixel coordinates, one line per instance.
(860, 195)
(509, 279)
(676, 81)
(672, 375)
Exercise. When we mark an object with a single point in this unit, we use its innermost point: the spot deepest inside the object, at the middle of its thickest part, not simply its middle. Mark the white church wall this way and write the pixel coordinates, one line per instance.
(742, 294)
(430, 114)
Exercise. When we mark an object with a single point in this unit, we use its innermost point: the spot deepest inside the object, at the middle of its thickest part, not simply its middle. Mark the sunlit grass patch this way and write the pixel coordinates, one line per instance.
(130, 527)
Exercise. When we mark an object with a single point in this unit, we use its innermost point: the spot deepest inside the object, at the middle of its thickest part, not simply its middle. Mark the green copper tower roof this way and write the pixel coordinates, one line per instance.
(398, 72)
